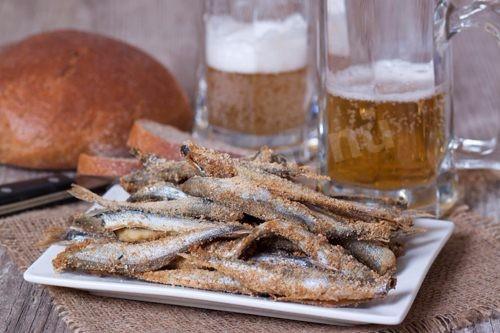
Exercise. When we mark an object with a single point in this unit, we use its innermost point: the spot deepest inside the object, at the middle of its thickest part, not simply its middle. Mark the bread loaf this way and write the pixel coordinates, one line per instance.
(64, 93)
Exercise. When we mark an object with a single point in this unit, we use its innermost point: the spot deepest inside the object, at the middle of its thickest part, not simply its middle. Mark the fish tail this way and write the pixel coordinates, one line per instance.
(82, 193)
(408, 231)
(52, 235)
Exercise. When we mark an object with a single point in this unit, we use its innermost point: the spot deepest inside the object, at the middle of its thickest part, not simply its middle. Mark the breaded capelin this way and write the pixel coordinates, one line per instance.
(126, 258)
(316, 247)
(255, 225)
(215, 164)
(183, 207)
(242, 195)
(195, 278)
(293, 283)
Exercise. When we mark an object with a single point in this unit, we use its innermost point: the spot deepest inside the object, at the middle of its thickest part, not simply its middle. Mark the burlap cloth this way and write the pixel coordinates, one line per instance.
(461, 288)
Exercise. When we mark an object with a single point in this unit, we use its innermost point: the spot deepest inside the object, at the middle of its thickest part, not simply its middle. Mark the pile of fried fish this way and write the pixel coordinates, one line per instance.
(240, 225)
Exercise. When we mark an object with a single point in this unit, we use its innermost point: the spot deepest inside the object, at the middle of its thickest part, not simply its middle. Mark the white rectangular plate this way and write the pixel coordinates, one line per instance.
(421, 250)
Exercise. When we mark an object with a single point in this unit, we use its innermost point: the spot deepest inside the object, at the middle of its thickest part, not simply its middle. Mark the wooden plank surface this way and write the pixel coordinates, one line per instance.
(168, 30)
(25, 307)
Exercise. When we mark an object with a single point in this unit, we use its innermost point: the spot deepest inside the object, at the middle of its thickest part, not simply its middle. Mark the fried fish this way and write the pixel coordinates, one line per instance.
(294, 283)
(125, 258)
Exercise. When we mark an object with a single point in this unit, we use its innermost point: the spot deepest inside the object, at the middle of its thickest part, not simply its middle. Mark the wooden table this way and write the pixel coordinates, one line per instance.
(26, 307)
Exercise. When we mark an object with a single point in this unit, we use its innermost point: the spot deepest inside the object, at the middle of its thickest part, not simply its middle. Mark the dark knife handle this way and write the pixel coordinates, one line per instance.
(27, 189)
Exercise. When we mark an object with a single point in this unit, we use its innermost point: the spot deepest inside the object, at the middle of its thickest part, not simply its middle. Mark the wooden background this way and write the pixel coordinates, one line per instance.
(169, 30)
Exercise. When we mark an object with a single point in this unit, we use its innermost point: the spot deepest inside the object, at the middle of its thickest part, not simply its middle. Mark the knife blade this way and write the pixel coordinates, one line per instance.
(19, 196)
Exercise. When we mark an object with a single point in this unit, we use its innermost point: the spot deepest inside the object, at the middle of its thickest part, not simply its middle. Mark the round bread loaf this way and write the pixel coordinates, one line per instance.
(63, 93)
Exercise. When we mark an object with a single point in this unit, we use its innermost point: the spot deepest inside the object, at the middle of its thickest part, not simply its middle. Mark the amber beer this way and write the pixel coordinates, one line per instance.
(259, 103)
(256, 75)
(385, 144)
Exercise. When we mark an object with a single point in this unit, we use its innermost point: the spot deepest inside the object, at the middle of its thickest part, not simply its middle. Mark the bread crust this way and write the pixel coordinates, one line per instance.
(63, 93)
(165, 141)
(101, 166)
(145, 140)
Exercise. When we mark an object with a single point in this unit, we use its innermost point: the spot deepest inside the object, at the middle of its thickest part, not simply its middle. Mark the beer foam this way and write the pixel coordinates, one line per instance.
(393, 80)
(338, 31)
(256, 47)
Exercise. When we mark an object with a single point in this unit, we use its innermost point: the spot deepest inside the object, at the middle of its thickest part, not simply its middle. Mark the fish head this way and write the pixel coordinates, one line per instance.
(209, 162)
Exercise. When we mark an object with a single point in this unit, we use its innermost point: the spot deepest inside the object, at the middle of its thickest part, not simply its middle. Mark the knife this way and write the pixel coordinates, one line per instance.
(23, 195)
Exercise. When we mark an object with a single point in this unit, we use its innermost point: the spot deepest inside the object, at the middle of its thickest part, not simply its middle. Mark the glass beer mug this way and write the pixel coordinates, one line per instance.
(256, 79)
(386, 111)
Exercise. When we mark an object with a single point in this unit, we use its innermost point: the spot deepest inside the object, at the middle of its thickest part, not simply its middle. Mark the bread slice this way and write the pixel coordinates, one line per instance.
(149, 137)
(102, 166)
(164, 140)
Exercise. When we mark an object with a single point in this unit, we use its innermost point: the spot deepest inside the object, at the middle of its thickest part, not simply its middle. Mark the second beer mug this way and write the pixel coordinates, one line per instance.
(387, 112)
(255, 84)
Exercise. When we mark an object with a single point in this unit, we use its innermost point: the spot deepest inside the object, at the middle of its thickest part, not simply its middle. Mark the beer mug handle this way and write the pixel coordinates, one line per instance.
(486, 15)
